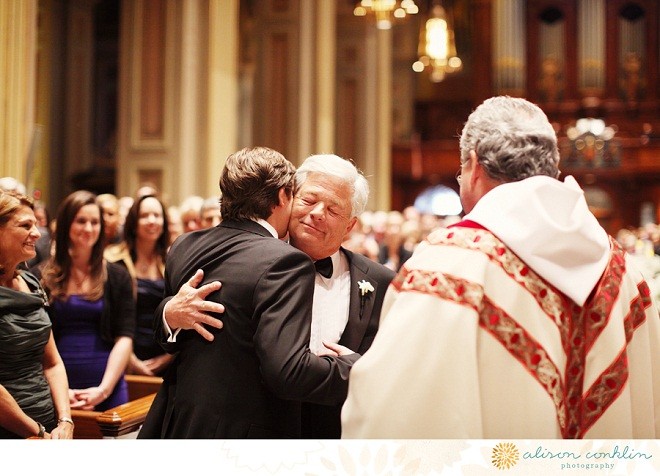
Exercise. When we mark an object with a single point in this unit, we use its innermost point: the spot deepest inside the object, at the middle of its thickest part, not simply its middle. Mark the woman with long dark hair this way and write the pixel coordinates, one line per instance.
(92, 306)
(143, 251)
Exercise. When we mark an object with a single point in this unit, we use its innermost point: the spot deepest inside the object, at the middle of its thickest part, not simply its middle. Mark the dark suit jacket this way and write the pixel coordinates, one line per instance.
(248, 382)
(324, 421)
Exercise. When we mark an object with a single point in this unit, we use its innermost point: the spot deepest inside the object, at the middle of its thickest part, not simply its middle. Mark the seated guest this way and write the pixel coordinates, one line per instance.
(92, 306)
(174, 223)
(112, 220)
(189, 210)
(44, 243)
(34, 398)
(209, 214)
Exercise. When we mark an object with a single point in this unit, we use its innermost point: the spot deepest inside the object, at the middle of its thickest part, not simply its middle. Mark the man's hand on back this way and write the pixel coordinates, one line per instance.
(188, 309)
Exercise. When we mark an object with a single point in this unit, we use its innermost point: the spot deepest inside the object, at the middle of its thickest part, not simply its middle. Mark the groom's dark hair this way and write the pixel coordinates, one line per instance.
(251, 181)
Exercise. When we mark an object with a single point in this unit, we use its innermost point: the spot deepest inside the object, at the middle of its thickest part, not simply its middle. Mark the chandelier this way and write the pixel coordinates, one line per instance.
(385, 11)
(437, 46)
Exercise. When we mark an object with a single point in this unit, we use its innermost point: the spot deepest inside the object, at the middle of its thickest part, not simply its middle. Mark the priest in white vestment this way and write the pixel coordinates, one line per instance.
(524, 320)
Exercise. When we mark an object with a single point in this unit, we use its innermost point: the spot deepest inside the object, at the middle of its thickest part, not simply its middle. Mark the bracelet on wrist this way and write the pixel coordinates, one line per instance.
(66, 420)
(42, 430)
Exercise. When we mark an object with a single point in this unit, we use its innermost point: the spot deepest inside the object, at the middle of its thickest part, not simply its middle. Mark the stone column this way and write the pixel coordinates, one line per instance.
(326, 20)
(178, 95)
(78, 150)
(223, 121)
(316, 81)
(380, 167)
(18, 37)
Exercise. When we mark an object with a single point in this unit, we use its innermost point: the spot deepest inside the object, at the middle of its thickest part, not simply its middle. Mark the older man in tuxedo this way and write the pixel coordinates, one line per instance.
(348, 294)
(246, 380)
(349, 288)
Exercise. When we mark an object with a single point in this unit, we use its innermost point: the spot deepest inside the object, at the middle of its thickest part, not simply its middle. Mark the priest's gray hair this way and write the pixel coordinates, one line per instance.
(512, 138)
(344, 170)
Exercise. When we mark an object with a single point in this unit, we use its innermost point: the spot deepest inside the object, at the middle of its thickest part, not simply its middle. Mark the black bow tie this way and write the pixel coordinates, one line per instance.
(324, 267)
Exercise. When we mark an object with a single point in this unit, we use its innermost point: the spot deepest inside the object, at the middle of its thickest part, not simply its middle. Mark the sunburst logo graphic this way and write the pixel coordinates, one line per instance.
(505, 455)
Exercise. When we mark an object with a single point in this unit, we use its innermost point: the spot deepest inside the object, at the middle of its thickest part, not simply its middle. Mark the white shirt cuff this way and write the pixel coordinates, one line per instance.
(171, 335)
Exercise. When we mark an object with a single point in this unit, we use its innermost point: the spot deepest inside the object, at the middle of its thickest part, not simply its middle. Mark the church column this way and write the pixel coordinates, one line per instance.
(326, 20)
(178, 95)
(283, 80)
(316, 99)
(18, 35)
(364, 101)
(378, 129)
(78, 148)
(223, 122)
(148, 148)
(380, 168)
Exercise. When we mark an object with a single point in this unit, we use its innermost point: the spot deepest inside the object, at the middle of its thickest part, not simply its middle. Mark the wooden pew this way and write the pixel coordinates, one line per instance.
(113, 423)
(126, 418)
(142, 385)
(85, 424)
(123, 419)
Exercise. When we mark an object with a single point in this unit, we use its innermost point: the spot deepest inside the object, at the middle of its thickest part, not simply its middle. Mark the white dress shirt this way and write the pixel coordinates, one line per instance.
(331, 304)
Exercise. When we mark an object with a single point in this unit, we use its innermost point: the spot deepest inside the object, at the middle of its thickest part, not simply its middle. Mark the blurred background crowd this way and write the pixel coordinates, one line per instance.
(388, 237)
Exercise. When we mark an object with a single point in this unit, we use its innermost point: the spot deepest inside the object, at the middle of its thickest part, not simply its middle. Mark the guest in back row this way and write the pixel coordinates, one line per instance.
(143, 251)
(112, 220)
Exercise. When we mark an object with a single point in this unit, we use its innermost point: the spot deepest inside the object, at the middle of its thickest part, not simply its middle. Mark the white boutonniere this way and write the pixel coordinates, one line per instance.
(365, 287)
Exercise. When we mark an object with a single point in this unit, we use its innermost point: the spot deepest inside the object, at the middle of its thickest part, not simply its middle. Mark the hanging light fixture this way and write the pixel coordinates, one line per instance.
(437, 46)
(385, 11)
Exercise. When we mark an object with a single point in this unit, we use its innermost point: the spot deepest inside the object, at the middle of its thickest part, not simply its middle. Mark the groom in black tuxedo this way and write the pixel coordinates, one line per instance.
(246, 380)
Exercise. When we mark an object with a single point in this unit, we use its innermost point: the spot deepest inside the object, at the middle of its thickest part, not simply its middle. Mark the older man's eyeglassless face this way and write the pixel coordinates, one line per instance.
(321, 216)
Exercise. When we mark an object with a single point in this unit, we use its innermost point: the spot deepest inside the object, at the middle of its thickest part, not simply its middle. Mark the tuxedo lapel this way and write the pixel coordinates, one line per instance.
(358, 321)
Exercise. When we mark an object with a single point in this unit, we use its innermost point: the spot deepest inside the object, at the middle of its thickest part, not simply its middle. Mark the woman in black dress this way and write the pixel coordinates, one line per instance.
(34, 399)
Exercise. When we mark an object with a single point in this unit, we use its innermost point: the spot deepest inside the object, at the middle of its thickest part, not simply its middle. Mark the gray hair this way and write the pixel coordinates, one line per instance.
(512, 138)
(10, 184)
(344, 170)
(210, 203)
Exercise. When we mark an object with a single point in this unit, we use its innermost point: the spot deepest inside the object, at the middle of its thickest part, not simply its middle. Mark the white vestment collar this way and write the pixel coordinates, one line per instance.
(547, 223)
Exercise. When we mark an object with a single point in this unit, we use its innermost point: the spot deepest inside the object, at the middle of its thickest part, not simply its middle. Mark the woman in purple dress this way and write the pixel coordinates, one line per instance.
(92, 307)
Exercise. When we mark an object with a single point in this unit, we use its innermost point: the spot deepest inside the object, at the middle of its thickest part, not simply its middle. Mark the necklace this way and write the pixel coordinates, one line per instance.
(79, 282)
(146, 265)
(144, 268)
